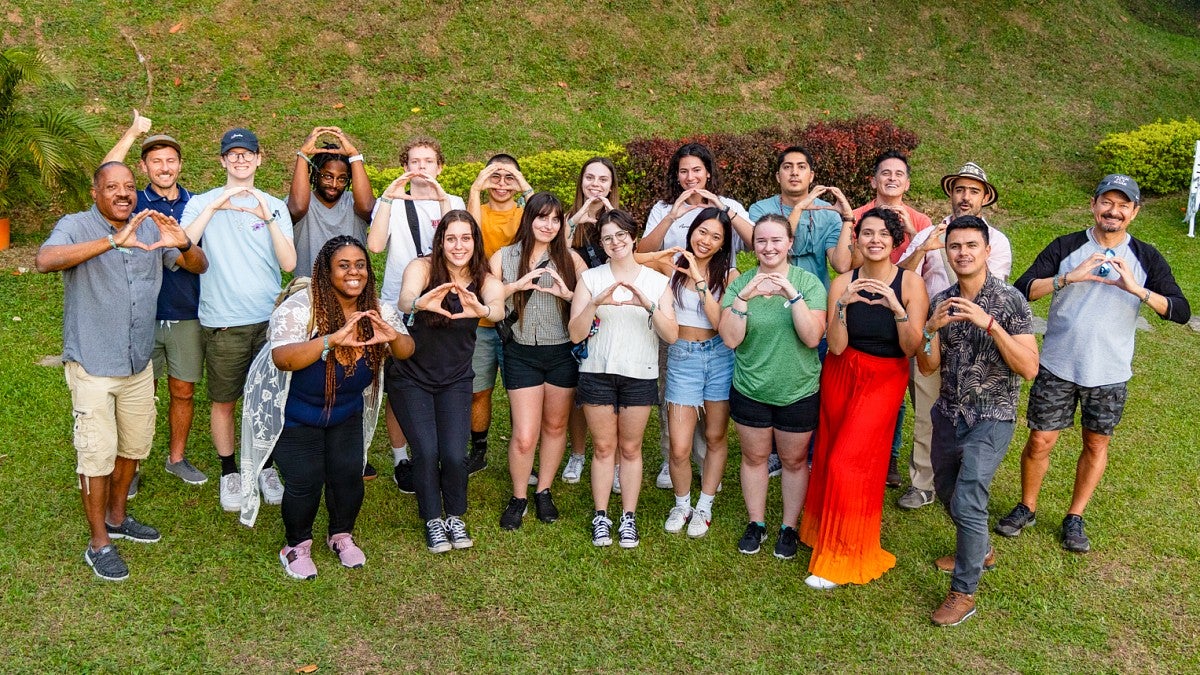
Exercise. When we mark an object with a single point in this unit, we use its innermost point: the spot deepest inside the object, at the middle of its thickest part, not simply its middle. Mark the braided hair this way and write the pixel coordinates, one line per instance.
(319, 161)
(329, 318)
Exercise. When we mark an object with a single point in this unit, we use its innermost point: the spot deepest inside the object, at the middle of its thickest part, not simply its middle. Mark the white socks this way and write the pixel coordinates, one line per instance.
(684, 501)
(705, 502)
(399, 454)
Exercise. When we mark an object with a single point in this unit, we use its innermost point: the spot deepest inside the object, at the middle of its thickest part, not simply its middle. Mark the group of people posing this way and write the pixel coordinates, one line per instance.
(591, 319)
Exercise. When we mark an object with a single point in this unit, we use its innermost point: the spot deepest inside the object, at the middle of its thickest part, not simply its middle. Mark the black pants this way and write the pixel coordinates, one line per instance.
(310, 458)
(437, 425)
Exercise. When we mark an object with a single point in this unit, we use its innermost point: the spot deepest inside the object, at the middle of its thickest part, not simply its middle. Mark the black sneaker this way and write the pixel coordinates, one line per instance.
(435, 536)
(544, 505)
(369, 472)
(476, 462)
(752, 538)
(513, 513)
(106, 563)
(601, 530)
(785, 543)
(403, 475)
(774, 465)
(1073, 538)
(1016, 520)
(627, 532)
(456, 531)
(132, 530)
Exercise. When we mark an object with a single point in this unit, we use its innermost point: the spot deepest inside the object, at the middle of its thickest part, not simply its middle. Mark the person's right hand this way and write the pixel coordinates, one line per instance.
(140, 124)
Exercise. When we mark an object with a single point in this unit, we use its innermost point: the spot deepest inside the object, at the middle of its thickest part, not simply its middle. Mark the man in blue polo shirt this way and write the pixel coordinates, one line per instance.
(178, 342)
(112, 268)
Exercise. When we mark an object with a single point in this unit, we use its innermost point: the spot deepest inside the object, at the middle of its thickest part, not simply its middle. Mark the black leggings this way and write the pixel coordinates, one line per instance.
(437, 425)
(311, 457)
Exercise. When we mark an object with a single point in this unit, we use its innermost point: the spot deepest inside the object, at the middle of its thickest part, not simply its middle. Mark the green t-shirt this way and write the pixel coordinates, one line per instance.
(772, 365)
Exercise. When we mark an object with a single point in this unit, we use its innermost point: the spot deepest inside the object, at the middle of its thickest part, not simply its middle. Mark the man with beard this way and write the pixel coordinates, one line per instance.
(326, 171)
(112, 268)
(178, 340)
(1098, 280)
(969, 192)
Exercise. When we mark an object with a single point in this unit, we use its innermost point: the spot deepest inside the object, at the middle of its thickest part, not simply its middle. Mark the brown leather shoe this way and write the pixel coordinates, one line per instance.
(957, 608)
(946, 562)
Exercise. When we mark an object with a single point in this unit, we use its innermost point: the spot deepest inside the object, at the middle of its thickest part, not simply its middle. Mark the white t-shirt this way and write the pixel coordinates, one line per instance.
(400, 250)
(677, 235)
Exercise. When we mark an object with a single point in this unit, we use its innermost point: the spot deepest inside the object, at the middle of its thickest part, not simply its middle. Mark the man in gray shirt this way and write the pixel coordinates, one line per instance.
(324, 171)
(112, 268)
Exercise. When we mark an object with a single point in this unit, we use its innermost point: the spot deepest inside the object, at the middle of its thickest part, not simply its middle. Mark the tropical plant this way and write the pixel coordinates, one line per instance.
(47, 153)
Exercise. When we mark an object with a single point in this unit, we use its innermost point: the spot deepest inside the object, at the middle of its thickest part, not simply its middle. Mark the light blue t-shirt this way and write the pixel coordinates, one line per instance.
(817, 232)
(243, 277)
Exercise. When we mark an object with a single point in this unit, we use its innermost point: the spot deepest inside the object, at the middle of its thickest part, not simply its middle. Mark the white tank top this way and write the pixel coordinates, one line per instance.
(625, 343)
(689, 311)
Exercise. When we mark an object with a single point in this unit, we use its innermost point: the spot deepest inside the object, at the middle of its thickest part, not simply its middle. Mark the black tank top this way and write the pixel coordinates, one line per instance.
(443, 354)
(872, 328)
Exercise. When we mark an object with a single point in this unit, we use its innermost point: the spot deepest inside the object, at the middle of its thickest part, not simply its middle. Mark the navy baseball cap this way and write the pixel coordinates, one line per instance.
(1121, 183)
(239, 138)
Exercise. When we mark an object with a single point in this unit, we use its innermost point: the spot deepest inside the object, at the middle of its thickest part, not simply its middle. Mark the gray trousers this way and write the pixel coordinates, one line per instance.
(965, 459)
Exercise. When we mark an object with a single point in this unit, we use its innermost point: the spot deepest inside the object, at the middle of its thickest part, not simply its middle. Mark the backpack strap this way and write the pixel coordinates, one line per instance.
(414, 225)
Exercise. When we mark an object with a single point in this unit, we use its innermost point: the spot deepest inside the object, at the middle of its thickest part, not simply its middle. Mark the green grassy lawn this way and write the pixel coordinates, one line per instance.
(1026, 89)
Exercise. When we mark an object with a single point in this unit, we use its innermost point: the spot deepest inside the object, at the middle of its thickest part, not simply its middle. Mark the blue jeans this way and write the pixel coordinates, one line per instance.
(965, 460)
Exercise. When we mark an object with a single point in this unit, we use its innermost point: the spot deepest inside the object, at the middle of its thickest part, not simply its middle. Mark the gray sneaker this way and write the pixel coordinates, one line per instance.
(133, 486)
(1016, 520)
(185, 472)
(132, 530)
(106, 563)
(914, 498)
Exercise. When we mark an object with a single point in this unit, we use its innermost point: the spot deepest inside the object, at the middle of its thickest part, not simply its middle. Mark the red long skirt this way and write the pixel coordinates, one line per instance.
(860, 395)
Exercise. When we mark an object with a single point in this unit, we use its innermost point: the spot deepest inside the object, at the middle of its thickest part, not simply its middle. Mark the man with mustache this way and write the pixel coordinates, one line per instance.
(112, 269)
(247, 235)
(969, 192)
(178, 340)
(1098, 280)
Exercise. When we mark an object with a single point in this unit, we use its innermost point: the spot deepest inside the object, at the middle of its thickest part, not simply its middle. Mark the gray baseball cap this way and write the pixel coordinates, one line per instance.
(159, 141)
(1121, 183)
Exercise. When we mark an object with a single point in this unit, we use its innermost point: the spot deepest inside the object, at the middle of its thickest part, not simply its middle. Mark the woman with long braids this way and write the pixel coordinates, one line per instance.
(538, 271)
(313, 395)
(445, 295)
(876, 319)
(699, 367)
(622, 310)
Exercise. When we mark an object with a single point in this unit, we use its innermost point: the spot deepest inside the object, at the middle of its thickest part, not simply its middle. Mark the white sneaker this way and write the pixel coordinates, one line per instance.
(231, 492)
(616, 480)
(574, 469)
(819, 583)
(272, 489)
(699, 524)
(664, 477)
(677, 518)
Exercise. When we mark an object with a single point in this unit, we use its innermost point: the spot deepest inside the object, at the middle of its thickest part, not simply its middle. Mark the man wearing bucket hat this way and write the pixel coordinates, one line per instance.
(1098, 280)
(247, 235)
(970, 192)
(178, 342)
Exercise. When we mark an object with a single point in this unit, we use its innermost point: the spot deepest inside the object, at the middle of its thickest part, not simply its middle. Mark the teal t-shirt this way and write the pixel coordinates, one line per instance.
(772, 365)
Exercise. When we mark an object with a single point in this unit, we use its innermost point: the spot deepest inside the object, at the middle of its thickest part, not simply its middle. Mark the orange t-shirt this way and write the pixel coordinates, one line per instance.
(499, 228)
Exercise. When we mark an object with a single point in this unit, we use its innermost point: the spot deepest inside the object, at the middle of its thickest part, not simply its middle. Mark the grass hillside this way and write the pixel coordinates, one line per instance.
(1024, 88)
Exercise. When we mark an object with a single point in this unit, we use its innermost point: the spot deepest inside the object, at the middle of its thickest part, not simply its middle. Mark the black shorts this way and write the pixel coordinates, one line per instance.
(534, 365)
(1052, 402)
(616, 390)
(797, 417)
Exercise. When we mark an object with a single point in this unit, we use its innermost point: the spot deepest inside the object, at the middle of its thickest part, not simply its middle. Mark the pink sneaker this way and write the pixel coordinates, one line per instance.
(350, 555)
(297, 560)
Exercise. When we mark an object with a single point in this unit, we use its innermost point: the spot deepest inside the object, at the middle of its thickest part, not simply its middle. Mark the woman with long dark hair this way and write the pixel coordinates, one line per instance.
(318, 388)
(538, 271)
(876, 318)
(699, 367)
(620, 311)
(444, 295)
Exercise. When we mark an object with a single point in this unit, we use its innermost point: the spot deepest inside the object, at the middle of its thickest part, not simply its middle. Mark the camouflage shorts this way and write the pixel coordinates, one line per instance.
(1052, 403)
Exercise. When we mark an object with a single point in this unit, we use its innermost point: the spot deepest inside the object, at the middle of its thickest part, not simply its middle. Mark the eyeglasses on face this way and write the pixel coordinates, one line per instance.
(609, 239)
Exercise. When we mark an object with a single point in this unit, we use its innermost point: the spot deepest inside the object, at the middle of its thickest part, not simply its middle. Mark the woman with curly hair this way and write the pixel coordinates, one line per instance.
(876, 317)
(328, 344)
(445, 295)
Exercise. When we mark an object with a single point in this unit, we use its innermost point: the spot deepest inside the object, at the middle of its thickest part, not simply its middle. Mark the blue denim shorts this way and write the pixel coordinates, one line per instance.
(698, 372)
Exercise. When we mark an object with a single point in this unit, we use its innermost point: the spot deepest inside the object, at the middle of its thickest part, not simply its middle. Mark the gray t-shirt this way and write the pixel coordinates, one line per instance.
(109, 301)
(321, 224)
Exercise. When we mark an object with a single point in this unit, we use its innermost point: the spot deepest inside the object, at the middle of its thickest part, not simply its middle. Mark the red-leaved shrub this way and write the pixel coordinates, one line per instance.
(843, 153)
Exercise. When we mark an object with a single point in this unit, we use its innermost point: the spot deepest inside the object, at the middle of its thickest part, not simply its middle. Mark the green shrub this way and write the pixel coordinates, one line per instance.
(554, 171)
(1158, 156)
